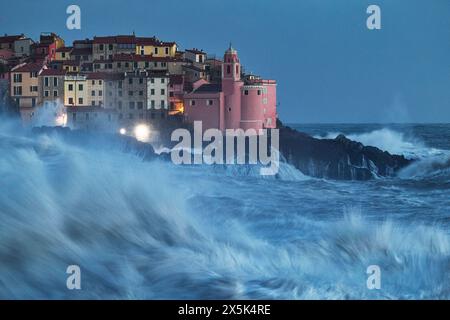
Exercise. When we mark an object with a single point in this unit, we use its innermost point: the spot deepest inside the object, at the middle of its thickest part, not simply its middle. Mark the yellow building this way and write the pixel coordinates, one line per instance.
(84, 90)
(71, 66)
(63, 53)
(76, 91)
(96, 89)
(155, 48)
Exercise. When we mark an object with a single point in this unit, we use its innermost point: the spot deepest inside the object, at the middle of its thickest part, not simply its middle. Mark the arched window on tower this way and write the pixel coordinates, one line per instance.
(228, 69)
(237, 69)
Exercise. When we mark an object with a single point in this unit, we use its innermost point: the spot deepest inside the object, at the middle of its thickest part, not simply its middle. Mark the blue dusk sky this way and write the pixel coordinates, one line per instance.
(329, 66)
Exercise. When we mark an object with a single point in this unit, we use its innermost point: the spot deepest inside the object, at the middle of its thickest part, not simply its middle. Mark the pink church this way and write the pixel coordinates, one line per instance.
(235, 103)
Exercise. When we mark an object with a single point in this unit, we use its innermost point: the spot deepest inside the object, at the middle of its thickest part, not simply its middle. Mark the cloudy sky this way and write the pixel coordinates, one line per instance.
(329, 66)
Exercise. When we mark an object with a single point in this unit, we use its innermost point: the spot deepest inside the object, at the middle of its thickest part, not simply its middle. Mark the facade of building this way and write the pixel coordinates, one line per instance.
(235, 103)
(7, 41)
(176, 92)
(63, 53)
(96, 89)
(104, 48)
(91, 118)
(51, 86)
(76, 90)
(24, 88)
(206, 104)
(157, 91)
(195, 55)
(22, 47)
(132, 103)
(82, 55)
(154, 47)
(70, 66)
(213, 68)
(113, 87)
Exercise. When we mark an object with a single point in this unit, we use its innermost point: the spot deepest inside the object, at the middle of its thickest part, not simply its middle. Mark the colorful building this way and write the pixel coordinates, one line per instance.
(137, 79)
(104, 48)
(154, 47)
(176, 92)
(76, 91)
(96, 89)
(63, 53)
(24, 87)
(235, 103)
(71, 66)
(46, 48)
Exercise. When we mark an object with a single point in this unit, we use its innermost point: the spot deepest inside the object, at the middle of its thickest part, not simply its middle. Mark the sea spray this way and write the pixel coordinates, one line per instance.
(149, 229)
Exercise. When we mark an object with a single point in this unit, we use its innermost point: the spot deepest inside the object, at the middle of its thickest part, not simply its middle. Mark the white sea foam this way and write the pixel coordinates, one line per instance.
(153, 230)
(392, 141)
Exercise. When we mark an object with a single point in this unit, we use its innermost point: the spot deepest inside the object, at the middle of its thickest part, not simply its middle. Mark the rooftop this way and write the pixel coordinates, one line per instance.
(81, 51)
(52, 72)
(209, 88)
(10, 38)
(135, 58)
(85, 41)
(104, 76)
(132, 39)
(29, 67)
(70, 63)
(196, 51)
(64, 49)
(122, 39)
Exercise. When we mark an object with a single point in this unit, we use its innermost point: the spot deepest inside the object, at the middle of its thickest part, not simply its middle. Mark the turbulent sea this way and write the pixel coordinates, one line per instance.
(153, 230)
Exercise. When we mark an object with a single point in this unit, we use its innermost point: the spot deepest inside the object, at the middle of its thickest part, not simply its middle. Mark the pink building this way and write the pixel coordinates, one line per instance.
(248, 103)
(176, 91)
(46, 48)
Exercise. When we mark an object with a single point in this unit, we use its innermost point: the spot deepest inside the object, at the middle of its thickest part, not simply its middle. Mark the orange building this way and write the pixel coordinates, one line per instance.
(25, 88)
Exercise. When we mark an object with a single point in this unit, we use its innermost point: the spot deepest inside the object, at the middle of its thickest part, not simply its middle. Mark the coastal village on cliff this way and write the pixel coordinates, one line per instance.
(116, 82)
(119, 84)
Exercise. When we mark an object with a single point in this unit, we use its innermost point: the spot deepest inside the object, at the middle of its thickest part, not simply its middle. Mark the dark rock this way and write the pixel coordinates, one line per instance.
(339, 158)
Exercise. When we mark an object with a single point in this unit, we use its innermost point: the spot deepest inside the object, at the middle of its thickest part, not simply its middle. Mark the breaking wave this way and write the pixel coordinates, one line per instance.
(151, 230)
(433, 168)
(392, 141)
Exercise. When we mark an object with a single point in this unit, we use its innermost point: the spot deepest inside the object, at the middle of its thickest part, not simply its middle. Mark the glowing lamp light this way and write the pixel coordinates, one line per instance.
(142, 132)
(122, 131)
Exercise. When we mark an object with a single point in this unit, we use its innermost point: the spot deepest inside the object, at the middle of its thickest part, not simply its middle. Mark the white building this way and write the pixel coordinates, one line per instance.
(157, 91)
(195, 55)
